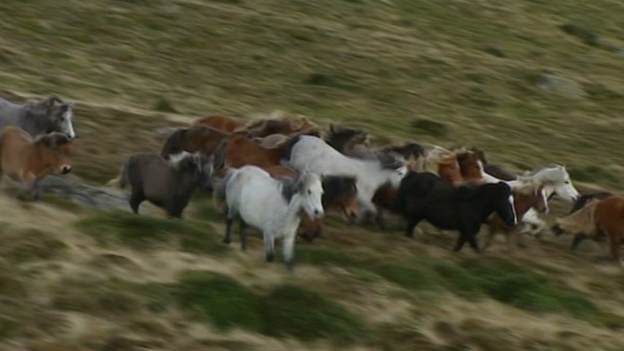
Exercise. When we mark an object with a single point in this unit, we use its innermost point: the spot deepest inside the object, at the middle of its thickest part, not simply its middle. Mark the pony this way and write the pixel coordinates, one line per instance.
(308, 153)
(354, 143)
(167, 184)
(285, 125)
(27, 160)
(556, 180)
(425, 196)
(240, 151)
(198, 138)
(525, 197)
(599, 218)
(338, 192)
(579, 204)
(275, 140)
(271, 205)
(39, 117)
(469, 167)
(443, 163)
(222, 123)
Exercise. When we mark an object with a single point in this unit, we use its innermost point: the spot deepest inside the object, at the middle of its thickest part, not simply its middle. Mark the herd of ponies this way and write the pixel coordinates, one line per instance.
(281, 175)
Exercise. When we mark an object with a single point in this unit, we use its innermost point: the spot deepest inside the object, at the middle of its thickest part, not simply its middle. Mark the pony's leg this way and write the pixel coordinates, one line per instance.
(289, 251)
(472, 240)
(243, 235)
(491, 234)
(578, 238)
(461, 240)
(380, 220)
(616, 245)
(135, 200)
(412, 222)
(269, 246)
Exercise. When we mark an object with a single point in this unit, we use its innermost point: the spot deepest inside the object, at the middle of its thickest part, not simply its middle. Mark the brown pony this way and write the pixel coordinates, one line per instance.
(26, 160)
(275, 140)
(239, 151)
(444, 163)
(599, 218)
(200, 138)
(223, 123)
(285, 125)
(525, 197)
(339, 192)
(469, 167)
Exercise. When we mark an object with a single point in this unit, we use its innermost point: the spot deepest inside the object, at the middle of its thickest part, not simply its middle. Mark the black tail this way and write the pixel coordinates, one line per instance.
(173, 145)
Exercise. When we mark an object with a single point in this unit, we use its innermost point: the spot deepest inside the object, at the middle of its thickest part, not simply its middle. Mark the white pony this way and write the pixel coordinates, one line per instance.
(271, 205)
(556, 181)
(309, 153)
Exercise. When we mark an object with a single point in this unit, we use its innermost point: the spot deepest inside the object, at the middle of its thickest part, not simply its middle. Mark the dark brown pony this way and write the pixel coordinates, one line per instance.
(525, 198)
(200, 138)
(339, 192)
(223, 123)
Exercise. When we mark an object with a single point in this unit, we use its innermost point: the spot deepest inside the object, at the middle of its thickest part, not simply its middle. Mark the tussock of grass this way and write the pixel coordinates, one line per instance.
(221, 300)
(25, 245)
(287, 310)
(142, 232)
(430, 127)
(101, 297)
(297, 312)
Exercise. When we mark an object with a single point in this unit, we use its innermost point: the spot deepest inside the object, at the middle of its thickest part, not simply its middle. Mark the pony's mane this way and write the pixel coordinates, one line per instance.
(526, 186)
(439, 156)
(581, 220)
(549, 174)
(176, 159)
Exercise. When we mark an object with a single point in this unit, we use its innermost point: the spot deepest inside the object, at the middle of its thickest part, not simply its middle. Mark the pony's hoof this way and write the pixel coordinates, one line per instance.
(290, 266)
(270, 257)
(226, 241)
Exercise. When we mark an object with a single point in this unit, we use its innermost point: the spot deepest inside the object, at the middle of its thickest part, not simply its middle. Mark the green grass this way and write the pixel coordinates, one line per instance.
(286, 311)
(294, 311)
(221, 300)
(143, 232)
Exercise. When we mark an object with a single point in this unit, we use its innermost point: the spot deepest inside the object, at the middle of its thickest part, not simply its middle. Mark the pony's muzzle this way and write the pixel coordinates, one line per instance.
(66, 169)
(318, 213)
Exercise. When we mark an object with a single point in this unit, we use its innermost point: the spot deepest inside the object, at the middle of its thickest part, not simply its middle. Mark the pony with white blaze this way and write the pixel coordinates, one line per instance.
(556, 181)
(272, 205)
(312, 154)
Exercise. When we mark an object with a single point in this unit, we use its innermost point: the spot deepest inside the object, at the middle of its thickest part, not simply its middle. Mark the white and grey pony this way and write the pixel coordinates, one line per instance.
(312, 154)
(39, 117)
(556, 181)
(271, 205)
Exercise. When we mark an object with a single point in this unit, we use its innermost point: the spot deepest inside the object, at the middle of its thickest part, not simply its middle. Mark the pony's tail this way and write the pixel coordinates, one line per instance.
(122, 179)
(220, 155)
(173, 145)
(219, 194)
(165, 131)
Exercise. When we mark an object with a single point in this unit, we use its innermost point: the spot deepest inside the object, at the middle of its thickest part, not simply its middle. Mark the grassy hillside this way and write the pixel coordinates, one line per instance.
(531, 82)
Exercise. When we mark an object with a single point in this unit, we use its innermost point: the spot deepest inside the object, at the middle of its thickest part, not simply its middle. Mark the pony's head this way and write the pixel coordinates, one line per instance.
(396, 163)
(198, 165)
(532, 191)
(310, 188)
(556, 180)
(61, 114)
(500, 197)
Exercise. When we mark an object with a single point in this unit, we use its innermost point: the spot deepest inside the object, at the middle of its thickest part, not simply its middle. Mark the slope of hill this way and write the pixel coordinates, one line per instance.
(531, 82)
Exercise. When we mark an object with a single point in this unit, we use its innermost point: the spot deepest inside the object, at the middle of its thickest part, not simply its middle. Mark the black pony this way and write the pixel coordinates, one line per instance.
(425, 196)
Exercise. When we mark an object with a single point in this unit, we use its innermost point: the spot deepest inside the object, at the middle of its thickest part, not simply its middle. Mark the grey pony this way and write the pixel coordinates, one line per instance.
(39, 117)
